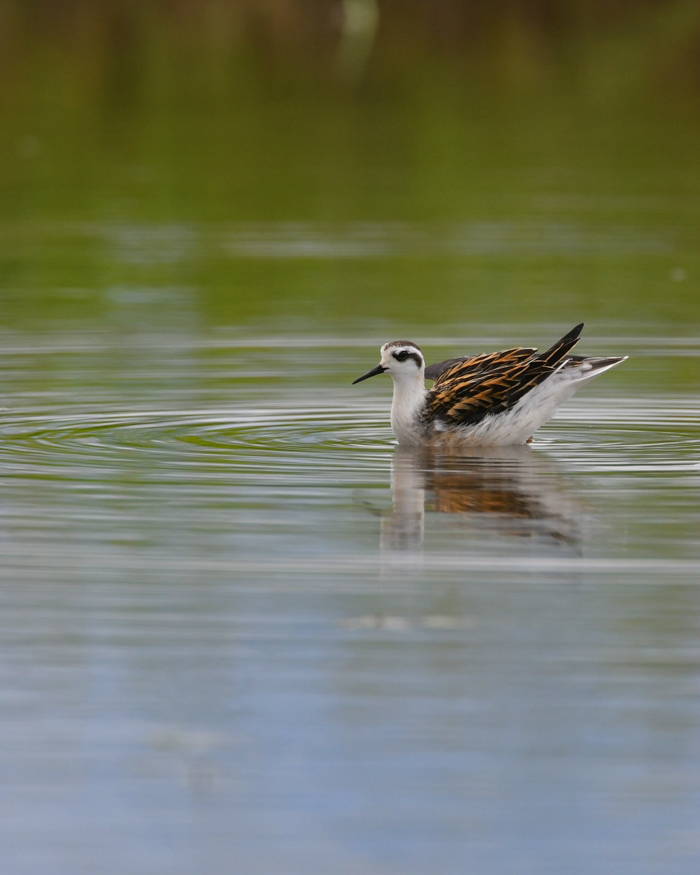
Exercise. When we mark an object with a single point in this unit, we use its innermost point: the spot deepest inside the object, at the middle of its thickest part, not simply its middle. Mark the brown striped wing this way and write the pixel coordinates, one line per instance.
(434, 372)
(494, 382)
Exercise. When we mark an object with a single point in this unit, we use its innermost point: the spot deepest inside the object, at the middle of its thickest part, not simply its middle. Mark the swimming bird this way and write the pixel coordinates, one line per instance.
(492, 399)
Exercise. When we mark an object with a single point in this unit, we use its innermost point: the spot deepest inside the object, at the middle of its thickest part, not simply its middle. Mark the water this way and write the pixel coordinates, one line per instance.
(239, 630)
(236, 620)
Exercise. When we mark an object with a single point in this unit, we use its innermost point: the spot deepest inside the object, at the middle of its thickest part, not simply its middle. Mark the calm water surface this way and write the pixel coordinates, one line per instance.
(239, 625)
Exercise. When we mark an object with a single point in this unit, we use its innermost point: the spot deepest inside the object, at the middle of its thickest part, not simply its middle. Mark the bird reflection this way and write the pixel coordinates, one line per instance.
(513, 491)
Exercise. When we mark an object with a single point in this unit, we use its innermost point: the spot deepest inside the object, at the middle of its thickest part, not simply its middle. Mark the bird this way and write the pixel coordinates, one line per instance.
(491, 399)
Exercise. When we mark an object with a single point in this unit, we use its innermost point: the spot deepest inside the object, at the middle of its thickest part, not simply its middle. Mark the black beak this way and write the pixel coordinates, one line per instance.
(373, 373)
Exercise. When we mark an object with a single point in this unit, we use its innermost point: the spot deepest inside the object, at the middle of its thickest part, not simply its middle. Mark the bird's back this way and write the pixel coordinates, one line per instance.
(472, 388)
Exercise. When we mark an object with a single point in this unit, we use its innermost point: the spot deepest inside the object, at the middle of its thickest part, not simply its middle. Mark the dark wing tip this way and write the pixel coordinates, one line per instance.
(556, 353)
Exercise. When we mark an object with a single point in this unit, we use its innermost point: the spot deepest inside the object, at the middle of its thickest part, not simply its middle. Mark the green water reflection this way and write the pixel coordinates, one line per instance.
(428, 190)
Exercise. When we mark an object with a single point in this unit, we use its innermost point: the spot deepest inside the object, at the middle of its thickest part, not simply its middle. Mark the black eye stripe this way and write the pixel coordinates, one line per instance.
(404, 354)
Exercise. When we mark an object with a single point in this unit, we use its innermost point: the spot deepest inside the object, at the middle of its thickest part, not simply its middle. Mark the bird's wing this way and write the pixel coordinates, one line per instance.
(434, 372)
(473, 388)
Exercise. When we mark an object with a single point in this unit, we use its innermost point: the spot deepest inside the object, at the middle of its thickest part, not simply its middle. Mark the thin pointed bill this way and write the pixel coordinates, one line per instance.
(373, 373)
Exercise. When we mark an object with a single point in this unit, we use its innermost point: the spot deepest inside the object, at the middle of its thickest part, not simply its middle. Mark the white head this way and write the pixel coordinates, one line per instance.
(402, 360)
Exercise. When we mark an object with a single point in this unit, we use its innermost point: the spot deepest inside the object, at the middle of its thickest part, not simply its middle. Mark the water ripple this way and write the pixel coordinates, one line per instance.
(638, 435)
(274, 441)
(600, 436)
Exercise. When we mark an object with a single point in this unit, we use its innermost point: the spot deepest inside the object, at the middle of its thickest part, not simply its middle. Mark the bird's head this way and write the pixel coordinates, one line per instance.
(401, 359)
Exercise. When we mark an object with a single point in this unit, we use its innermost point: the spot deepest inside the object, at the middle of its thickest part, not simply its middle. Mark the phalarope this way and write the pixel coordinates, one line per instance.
(492, 399)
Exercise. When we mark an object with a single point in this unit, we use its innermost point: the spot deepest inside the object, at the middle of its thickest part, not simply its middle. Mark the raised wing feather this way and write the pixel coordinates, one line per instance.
(433, 372)
(466, 392)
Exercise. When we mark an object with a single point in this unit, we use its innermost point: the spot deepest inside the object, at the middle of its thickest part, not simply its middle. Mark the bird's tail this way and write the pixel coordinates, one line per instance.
(581, 369)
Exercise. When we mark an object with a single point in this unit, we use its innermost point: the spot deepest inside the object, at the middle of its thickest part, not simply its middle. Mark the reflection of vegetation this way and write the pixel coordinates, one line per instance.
(550, 146)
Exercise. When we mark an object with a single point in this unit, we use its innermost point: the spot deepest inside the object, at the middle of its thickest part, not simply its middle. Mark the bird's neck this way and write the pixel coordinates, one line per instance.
(408, 402)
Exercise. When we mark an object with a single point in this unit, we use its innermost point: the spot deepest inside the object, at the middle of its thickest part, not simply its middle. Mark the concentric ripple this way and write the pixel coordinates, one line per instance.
(640, 435)
(275, 441)
(341, 441)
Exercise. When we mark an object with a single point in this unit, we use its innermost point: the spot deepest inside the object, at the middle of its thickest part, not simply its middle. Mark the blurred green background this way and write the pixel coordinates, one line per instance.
(349, 166)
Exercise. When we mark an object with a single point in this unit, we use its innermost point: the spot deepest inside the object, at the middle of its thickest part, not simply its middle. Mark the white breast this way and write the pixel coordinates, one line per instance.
(406, 411)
